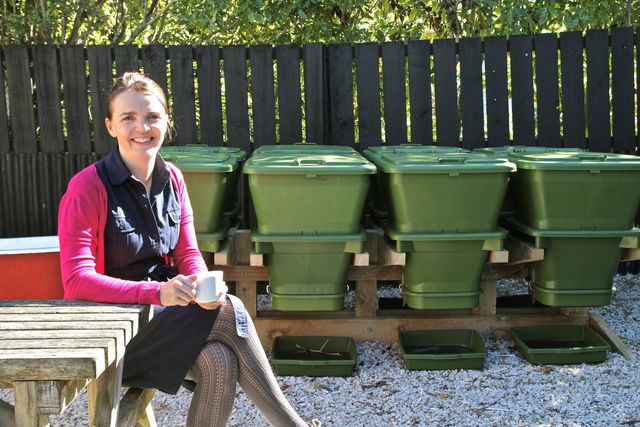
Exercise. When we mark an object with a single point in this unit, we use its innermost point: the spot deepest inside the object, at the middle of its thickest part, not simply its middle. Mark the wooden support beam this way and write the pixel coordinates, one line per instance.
(135, 404)
(521, 251)
(361, 259)
(256, 260)
(104, 396)
(630, 255)
(387, 254)
(226, 253)
(385, 329)
(366, 298)
(487, 305)
(599, 324)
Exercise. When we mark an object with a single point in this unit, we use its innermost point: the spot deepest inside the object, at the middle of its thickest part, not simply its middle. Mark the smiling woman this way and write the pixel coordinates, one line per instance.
(127, 236)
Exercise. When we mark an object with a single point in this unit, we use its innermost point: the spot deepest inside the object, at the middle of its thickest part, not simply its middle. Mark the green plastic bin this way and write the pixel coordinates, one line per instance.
(378, 201)
(508, 207)
(289, 358)
(230, 203)
(442, 349)
(576, 191)
(305, 193)
(308, 273)
(206, 181)
(560, 344)
(578, 266)
(442, 271)
(443, 192)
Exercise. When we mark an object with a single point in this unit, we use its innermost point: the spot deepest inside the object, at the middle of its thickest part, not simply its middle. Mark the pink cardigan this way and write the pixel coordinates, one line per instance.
(81, 221)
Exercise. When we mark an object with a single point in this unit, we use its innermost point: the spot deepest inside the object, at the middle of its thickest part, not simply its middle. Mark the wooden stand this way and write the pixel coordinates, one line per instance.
(382, 263)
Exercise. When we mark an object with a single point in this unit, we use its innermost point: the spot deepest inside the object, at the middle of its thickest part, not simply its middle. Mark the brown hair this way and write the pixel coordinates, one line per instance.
(142, 84)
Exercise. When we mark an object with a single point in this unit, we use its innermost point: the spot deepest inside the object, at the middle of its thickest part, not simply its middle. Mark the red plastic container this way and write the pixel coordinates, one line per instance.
(30, 268)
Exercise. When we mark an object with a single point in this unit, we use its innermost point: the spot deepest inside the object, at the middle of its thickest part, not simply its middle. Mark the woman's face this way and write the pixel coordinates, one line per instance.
(139, 123)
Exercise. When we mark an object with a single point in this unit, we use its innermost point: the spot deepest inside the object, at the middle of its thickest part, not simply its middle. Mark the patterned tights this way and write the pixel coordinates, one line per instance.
(228, 359)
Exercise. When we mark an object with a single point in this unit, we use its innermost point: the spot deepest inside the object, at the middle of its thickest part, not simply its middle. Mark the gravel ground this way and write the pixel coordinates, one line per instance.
(509, 391)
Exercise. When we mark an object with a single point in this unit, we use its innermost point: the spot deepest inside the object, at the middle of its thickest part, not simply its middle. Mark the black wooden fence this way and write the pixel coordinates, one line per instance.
(567, 90)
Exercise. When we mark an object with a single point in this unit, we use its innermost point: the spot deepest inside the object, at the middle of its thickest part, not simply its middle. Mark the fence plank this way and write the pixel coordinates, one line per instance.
(547, 90)
(6, 196)
(5, 144)
(418, 64)
(262, 95)
(21, 183)
(183, 102)
(598, 123)
(522, 90)
(235, 80)
(289, 94)
(45, 67)
(20, 99)
(154, 62)
(495, 49)
(573, 112)
(101, 82)
(75, 99)
(622, 89)
(126, 57)
(446, 91)
(368, 94)
(316, 93)
(209, 95)
(394, 93)
(471, 93)
(341, 94)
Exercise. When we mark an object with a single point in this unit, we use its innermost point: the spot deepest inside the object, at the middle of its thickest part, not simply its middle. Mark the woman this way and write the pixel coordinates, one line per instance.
(126, 236)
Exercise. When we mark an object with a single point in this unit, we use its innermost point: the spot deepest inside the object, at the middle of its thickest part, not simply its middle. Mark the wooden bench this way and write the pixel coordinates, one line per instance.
(51, 350)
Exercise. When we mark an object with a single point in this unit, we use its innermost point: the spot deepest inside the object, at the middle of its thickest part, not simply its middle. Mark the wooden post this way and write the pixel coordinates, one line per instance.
(487, 304)
(366, 298)
(104, 396)
(26, 396)
(245, 289)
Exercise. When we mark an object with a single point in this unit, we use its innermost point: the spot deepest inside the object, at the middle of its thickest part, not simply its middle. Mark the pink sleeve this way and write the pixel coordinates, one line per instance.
(186, 256)
(81, 220)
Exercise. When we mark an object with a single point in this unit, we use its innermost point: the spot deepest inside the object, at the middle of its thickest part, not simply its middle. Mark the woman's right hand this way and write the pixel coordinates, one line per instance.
(177, 291)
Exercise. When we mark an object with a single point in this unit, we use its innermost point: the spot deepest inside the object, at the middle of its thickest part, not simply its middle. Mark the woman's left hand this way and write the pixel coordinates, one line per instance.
(215, 304)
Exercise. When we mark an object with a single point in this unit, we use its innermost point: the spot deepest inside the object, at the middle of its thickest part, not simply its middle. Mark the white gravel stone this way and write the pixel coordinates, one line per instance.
(508, 391)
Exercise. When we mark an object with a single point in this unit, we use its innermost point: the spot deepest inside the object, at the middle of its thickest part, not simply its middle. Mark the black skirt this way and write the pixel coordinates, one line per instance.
(164, 350)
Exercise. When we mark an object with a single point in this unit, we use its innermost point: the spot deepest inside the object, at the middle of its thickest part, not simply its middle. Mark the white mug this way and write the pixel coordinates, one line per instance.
(209, 284)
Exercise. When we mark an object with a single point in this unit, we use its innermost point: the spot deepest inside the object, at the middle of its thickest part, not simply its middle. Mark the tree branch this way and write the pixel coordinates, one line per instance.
(148, 22)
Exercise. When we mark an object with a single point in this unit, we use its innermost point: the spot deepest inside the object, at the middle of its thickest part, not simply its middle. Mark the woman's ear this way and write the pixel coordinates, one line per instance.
(107, 123)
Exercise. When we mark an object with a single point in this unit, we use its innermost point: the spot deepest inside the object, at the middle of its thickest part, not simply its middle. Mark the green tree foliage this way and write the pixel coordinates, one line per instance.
(296, 21)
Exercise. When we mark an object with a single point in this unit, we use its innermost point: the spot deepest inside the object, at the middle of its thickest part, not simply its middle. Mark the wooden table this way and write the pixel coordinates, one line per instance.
(51, 350)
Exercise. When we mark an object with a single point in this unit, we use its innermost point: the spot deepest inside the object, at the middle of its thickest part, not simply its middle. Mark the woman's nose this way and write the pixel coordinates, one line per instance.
(142, 124)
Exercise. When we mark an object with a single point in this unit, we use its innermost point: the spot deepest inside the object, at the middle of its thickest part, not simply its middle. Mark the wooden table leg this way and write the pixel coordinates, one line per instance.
(26, 396)
(104, 396)
(7, 414)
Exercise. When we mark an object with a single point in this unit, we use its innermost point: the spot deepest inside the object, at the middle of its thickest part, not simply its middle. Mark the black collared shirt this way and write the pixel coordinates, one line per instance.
(140, 229)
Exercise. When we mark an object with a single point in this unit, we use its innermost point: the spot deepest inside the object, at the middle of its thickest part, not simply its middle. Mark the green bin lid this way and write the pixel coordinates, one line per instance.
(523, 149)
(441, 163)
(309, 163)
(412, 148)
(199, 149)
(576, 161)
(303, 147)
(211, 163)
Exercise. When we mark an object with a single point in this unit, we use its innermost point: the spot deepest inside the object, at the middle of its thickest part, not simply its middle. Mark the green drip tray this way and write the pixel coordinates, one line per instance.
(560, 344)
(442, 349)
(313, 356)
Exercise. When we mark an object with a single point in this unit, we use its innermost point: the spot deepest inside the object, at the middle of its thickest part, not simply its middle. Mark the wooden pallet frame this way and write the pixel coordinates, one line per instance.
(381, 262)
